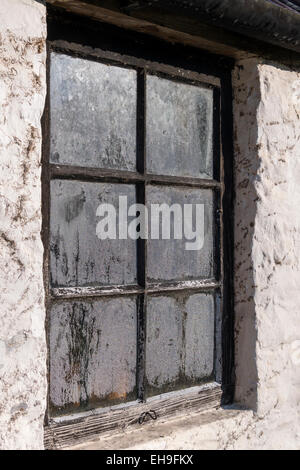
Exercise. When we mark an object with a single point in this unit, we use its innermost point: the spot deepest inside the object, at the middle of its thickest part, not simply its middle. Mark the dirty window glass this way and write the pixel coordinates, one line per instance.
(93, 354)
(77, 256)
(179, 128)
(93, 113)
(169, 259)
(180, 341)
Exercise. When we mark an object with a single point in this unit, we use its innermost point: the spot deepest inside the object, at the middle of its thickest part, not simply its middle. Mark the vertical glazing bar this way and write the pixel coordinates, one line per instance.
(141, 341)
(218, 174)
(141, 168)
(217, 164)
(141, 243)
(218, 193)
(140, 130)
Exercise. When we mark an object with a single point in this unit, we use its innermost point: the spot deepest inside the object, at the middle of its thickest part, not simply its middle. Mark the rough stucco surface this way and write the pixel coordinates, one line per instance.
(22, 317)
(267, 301)
(267, 248)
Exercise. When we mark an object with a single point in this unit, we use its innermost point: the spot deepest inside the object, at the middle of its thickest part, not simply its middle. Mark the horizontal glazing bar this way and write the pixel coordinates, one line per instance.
(192, 285)
(94, 174)
(105, 175)
(154, 288)
(182, 181)
(95, 291)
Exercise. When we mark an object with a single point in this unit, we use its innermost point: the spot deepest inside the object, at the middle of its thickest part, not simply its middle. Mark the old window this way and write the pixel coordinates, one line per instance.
(131, 322)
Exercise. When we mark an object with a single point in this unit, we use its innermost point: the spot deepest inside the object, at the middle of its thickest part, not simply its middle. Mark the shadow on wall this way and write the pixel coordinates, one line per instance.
(247, 97)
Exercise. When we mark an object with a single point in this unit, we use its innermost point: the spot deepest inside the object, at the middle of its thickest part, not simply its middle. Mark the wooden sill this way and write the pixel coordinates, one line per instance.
(74, 429)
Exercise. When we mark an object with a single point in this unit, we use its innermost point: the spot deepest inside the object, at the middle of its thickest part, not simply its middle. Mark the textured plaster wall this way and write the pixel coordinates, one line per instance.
(22, 313)
(267, 247)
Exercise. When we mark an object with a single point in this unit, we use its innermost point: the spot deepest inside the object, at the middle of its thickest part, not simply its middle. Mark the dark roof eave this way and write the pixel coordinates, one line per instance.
(260, 19)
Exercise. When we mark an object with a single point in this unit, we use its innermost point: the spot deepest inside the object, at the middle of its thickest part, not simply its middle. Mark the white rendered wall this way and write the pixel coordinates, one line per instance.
(22, 314)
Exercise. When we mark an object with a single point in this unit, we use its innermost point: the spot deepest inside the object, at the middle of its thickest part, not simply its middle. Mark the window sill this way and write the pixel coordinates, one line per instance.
(75, 429)
(193, 430)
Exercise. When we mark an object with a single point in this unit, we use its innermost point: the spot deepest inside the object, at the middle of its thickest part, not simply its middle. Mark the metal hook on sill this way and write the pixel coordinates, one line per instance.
(151, 413)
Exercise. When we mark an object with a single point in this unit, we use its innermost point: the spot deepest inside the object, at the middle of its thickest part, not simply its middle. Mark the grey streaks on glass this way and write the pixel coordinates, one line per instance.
(77, 256)
(92, 354)
(93, 114)
(180, 342)
(179, 129)
(168, 260)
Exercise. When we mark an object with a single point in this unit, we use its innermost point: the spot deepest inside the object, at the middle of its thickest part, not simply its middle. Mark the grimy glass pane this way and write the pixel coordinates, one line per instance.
(170, 259)
(180, 342)
(77, 256)
(93, 114)
(179, 129)
(92, 354)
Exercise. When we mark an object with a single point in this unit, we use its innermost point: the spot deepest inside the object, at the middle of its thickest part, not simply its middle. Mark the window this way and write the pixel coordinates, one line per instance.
(133, 325)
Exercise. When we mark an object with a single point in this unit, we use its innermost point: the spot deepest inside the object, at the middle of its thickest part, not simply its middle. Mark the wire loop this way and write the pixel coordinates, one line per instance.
(151, 414)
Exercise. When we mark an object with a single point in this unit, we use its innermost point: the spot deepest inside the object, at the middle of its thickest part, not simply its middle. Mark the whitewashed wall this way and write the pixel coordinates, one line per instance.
(267, 253)
(267, 232)
(22, 313)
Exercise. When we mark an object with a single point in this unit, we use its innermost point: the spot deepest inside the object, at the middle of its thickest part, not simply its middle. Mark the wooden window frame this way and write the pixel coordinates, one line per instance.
(202, 69)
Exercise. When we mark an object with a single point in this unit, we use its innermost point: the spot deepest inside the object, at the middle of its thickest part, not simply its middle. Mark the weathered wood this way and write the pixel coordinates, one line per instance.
(141, 346)
(174, 27)
(183, 181)
(198, 38)
(94, 174)
(99, 291)
(130, 61)
(118, 176)
(193, 285)
(228, 376)
(94, 291)
(70, 430)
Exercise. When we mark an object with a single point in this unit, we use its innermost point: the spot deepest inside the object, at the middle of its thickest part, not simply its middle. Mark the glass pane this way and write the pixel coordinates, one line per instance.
(93, 114)
(170, 259)
(92, 354)
(180, 342)
(179, 129)
(77, 256)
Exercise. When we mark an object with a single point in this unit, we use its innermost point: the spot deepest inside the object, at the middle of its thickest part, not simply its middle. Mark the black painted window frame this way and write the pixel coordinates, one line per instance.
(67, 34)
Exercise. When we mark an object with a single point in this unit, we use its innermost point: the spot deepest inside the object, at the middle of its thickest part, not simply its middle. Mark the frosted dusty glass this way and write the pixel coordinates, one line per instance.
(179, 128)
(93, 114)
(92, 354)
(77, 256)
(180, 341)
(168, 259)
